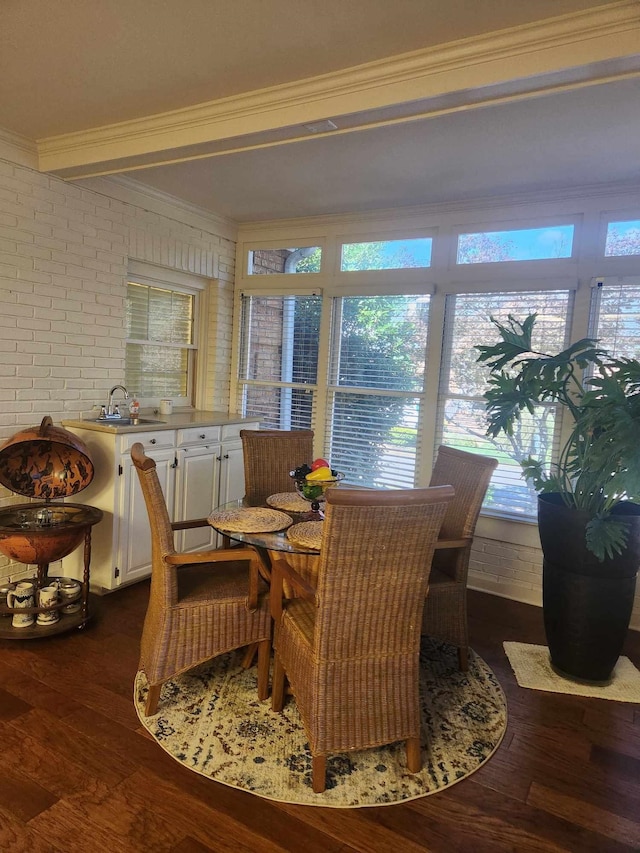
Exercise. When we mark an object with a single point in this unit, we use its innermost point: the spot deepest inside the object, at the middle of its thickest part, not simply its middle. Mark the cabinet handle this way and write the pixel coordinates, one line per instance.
(203, 435)
(152, 441)
(226, 456)
(219, 458)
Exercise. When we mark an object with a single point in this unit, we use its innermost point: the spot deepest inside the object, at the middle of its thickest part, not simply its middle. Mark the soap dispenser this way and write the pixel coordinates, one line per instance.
(134, 407)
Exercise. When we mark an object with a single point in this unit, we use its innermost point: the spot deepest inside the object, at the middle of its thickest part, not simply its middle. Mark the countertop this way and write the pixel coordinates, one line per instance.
(178, 420)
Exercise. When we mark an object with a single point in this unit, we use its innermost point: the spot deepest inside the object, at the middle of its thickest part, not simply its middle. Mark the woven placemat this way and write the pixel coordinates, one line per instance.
(249, 520)
(306, 533)
(289, 501)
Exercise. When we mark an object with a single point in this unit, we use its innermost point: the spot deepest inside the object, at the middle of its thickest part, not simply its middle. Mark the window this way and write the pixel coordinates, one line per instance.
(623, 238)
(616, 316)
(527, 244)
(160, 346)
(386, 255)
(382, 365)
(461, 406)
(279, 359)
(305, 259)
(376, 385)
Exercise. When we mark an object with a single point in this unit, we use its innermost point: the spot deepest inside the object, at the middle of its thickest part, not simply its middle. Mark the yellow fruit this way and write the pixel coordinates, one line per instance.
(320, 474)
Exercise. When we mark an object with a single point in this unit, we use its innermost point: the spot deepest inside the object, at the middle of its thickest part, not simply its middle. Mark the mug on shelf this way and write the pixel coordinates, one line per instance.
(70, 594)
(47, 597)
(23, 596)
(166, 407)
(5, 589)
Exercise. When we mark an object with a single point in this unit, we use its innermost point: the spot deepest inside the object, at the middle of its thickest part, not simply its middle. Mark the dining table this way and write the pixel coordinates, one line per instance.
(264, 542)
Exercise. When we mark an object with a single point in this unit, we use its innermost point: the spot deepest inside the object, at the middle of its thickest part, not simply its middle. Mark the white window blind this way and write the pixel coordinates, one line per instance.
(461, 416)
(160, 342)
(376, 384)
(279, 359)
(616, 315)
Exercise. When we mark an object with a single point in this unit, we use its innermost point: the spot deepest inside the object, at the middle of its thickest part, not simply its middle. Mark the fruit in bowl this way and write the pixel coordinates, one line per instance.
(313, 480)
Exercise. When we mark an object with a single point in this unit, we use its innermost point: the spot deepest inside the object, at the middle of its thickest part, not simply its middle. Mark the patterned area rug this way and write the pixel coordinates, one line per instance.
(532, 669)
(211, 720)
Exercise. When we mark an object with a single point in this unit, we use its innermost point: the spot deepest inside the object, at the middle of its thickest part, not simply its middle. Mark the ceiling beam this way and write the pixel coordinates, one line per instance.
(579, 49)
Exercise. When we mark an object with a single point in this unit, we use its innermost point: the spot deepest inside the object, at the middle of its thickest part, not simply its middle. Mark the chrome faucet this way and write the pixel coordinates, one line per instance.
(112, 409)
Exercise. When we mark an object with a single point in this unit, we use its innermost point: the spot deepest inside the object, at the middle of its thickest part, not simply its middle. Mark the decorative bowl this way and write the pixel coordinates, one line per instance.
(314, 490)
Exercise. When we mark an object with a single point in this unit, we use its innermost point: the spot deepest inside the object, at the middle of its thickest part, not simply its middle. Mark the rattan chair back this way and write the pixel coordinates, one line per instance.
(269, 456)
(201, 604)
(470, 475)
(352, 656)
(445, 611)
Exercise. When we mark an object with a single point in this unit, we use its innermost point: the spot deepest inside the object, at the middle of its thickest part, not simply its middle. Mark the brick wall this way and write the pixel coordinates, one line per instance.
(64, 254)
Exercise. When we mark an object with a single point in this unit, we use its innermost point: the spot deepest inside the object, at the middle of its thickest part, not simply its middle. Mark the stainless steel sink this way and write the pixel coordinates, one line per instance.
(126, 421)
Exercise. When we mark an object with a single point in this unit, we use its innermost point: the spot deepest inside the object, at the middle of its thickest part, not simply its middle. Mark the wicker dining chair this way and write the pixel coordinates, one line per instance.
(350, 648)
(445, 611)
(201, 604)
(269, 455)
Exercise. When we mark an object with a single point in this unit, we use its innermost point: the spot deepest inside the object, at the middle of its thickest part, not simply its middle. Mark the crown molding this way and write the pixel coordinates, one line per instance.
(480, 206)
(593, 40)
(130, 191)
(18, 149)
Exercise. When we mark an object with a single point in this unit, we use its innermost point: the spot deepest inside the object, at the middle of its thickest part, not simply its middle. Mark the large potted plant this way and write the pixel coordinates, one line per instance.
(589, 499)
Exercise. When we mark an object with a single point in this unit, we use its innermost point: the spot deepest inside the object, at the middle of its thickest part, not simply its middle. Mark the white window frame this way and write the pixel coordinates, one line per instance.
(588, 215)
(175, 280)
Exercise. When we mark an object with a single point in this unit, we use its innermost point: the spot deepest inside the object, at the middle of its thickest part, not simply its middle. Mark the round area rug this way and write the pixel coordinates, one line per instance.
(211, 720)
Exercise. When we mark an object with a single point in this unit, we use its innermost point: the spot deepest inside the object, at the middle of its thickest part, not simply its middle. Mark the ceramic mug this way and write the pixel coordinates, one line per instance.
(23, 596)
(47, 597)
(70, 594)
(4, 592)
(166, 407)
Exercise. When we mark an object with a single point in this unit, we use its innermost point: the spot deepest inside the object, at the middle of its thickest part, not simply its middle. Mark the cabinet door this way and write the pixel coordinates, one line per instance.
(134, 539)
(231, 473)
(197, 488)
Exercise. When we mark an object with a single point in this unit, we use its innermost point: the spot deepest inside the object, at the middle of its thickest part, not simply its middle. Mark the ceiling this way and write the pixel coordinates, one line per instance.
(433, 102)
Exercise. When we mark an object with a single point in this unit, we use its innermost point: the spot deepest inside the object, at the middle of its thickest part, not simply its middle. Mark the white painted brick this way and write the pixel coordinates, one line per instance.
(8, 271)
(17, 234)
(104, 222)
(34, 325)
(84, 340)
(52, 267)
(98, 266)
(15, 310)
(36, 300)
(65, 372)
(44, 385)
(35, 277)
(55, 221)
(33, 225)
(17, 184)
(30, 371)
(97, 243)
(50, 196)
(67, 256)
(110, 279)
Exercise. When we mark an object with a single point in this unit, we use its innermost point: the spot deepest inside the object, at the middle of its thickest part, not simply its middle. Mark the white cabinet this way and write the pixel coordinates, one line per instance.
(209, 472)
(133, 551)
(199, 468)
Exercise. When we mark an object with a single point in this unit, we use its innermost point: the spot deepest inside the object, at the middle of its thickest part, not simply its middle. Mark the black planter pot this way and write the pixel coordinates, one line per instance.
(587, 604)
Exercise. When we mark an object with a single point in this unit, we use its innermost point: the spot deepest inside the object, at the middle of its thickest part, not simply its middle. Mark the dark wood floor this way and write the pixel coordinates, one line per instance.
(78, 774)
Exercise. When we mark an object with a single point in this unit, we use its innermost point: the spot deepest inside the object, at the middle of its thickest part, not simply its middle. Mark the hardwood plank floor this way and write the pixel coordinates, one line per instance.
(79, 773)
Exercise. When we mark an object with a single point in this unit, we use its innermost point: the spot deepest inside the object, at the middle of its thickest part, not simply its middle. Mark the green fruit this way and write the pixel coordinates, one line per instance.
(311, 492)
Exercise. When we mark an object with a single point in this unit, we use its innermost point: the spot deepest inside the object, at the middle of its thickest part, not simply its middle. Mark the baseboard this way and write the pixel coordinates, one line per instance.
(530, 596)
